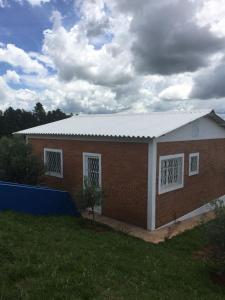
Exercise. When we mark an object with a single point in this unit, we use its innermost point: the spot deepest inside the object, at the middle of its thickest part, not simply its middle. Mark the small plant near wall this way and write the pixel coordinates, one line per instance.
(89, 197)
(17, 162)
(215, 235)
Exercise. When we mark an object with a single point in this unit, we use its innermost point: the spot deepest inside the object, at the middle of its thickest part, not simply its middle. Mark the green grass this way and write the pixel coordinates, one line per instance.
(67, 258)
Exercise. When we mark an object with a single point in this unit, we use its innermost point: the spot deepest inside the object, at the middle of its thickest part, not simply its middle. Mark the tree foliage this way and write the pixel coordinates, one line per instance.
(90, 196)
(12, 120)
(17, 162)
(215, 234)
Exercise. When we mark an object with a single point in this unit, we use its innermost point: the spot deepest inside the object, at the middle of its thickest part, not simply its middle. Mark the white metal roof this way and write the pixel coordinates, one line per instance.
(147, 125)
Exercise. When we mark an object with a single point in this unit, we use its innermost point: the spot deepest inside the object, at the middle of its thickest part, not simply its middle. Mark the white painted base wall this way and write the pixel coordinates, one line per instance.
(197, 212)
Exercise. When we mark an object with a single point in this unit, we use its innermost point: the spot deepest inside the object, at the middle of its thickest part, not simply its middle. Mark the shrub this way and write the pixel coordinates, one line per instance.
(215, 234)
(90, 196)
(17, 163)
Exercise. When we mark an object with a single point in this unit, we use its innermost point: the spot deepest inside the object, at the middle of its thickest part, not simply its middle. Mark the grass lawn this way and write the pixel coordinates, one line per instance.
(66, 258)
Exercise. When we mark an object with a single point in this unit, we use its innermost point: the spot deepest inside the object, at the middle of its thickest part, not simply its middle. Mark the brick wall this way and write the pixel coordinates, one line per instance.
(124, 174)
(198, 189)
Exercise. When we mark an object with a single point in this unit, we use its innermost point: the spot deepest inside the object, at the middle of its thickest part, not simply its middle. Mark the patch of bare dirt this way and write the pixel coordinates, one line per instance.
(96, 228)
(203, 253)
(218, 278)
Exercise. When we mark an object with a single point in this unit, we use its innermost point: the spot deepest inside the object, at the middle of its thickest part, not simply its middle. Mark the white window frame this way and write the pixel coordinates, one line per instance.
(174, 187)
(97, 155)
(191, 173)
(55, 174)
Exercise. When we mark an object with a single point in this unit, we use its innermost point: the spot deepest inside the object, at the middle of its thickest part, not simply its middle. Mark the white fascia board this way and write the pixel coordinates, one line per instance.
(88, 138)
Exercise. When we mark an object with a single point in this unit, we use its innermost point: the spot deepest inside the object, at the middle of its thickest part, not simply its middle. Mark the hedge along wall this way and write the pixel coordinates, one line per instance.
(36, 200)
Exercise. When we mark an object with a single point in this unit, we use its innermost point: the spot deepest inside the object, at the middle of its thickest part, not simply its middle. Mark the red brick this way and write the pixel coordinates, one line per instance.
(198, 189)
(124, 174)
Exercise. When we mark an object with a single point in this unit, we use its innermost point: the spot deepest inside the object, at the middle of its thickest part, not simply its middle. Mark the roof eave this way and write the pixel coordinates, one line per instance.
(86, 137)
(217, 118)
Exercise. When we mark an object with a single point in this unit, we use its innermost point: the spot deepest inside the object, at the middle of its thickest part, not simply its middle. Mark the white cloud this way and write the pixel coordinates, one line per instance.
(6, 3)
(74, 57)
(4, 91)
(37, 2)
(93, 60)
(45, 60)
(176, 92)
(12, 76)
(213, 15)
(17, 57)
(24, 98)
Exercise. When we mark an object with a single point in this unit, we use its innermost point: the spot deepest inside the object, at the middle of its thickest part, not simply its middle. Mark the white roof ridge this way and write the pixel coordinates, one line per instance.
(144, 113)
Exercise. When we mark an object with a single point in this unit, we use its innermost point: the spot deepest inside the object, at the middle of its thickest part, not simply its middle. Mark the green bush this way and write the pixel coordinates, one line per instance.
(90, 196)
(215, 234)
(17, 163)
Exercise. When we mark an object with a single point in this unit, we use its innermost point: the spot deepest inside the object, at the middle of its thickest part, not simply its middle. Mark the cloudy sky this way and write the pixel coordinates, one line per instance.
(102, 56)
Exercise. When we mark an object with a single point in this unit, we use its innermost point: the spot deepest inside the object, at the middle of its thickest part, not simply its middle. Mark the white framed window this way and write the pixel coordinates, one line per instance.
(193, 164)
(53, 161)
(171, 172)
(92, 168)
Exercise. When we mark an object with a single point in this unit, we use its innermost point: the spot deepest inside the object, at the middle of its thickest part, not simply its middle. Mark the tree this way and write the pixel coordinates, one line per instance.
(215, 234)
(55, 115)
(12, 120)
(90, 196)
(39, 114)
(1, 123)
(17, 163)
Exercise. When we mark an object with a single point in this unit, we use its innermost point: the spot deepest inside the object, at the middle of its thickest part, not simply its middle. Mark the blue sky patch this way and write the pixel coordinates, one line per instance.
(23, 25)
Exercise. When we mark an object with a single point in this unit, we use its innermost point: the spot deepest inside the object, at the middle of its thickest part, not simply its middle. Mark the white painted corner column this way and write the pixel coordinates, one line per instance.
(151, 202)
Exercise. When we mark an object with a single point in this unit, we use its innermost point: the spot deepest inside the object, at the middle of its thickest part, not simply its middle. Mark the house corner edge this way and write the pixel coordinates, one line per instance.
(151, 200)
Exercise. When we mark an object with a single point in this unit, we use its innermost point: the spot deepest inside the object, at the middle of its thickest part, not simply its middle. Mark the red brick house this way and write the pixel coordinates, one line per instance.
(154, 168)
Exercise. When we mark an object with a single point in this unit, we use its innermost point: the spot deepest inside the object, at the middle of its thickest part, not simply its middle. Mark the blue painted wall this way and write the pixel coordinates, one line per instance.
(36, 200)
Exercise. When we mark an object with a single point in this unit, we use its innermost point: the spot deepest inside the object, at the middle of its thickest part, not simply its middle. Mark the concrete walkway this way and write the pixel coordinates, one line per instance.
(157, 236)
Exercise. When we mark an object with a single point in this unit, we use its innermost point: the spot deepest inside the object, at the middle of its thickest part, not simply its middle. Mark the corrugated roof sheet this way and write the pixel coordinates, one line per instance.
(147, 125)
